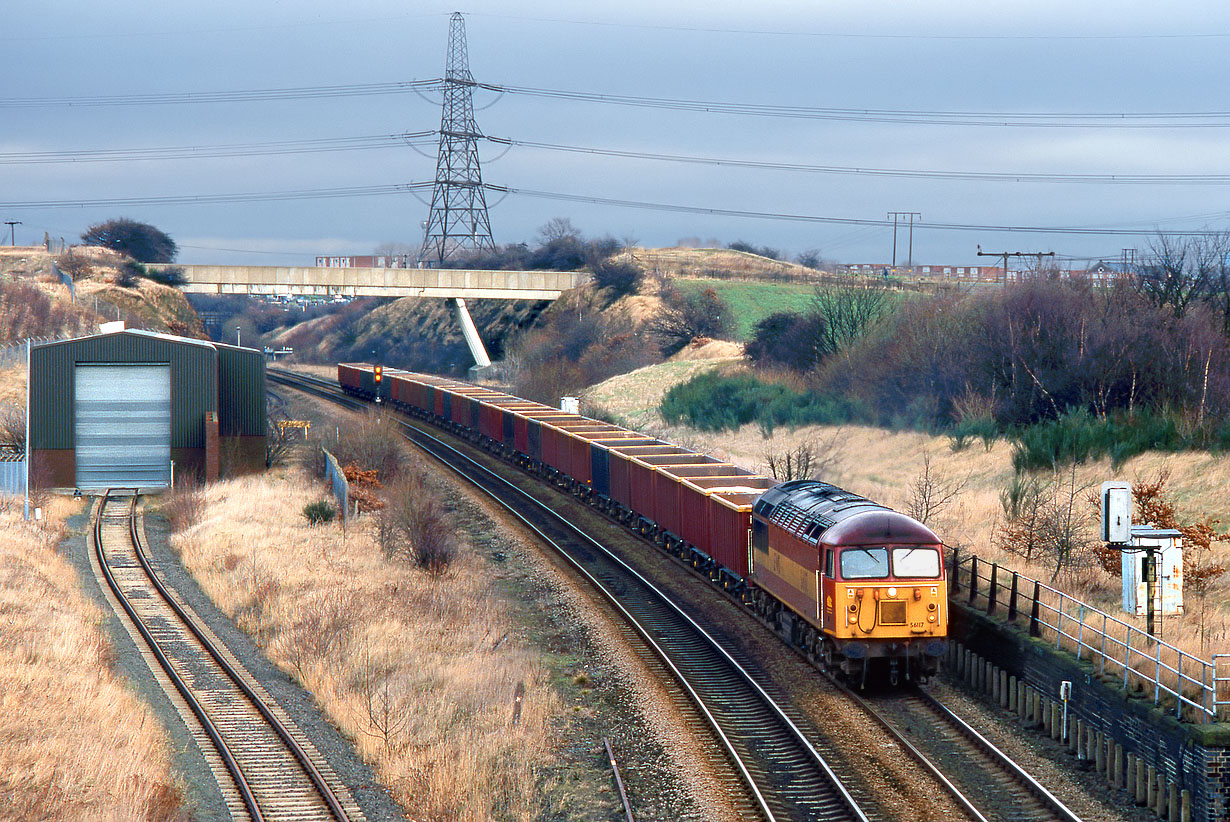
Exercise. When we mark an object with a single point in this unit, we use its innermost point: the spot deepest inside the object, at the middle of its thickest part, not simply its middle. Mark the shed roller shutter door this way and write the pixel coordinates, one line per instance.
(122, 425)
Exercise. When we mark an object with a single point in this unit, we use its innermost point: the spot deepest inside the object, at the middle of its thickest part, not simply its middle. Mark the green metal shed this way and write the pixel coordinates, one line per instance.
(119, 409)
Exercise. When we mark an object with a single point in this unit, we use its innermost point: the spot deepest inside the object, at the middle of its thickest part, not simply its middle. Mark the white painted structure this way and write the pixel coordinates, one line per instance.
(444, 283)
(1167, 545)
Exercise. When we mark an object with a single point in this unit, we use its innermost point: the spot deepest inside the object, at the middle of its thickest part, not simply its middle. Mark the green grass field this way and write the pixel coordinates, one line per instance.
(753, 301)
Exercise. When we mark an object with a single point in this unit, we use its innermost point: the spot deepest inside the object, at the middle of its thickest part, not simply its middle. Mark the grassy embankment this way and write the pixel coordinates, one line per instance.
(419, 671)
(753, 301)
(75, 743)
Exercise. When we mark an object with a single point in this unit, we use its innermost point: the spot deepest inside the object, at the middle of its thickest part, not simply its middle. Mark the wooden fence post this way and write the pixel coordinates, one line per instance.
(991, 592)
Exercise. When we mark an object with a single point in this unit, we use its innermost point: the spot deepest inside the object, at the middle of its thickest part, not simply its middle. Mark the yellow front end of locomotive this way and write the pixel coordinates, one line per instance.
(891, 611)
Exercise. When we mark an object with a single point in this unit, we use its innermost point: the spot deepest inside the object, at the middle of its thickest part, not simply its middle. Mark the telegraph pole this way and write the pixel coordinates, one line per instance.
(1007, 254)
(12, 224)
(895, 215)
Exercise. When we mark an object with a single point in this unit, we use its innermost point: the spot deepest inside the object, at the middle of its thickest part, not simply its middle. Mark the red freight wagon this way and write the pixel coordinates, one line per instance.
(730, 528)
(717, 514)
(621, 457)
(691, 521)
(548, 439)
(512, 426)
(642, 471)
(600, 457)
(574, 446)
(557, 439)
(348, 376)
(668, 489)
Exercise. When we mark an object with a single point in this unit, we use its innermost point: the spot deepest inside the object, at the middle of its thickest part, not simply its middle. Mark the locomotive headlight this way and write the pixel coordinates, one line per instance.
(930, 606)
(892, 592)
(931, 618)
(853, 608)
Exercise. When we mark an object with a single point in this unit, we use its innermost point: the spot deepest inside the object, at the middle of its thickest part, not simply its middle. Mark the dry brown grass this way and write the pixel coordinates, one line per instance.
(703, 262)
(418, 671)
(75, 743)
(13, 384)
(327, 372)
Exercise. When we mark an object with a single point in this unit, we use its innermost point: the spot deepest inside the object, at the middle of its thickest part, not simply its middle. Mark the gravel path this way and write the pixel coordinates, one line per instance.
(202, 798)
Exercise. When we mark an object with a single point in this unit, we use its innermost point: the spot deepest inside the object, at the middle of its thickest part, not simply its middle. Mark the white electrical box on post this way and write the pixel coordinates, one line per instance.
(1117, 512)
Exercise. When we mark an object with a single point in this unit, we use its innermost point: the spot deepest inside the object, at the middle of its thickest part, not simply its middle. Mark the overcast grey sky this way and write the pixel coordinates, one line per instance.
(987, 57)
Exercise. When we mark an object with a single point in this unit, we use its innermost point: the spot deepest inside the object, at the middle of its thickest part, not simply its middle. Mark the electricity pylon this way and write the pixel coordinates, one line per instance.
(458, 219)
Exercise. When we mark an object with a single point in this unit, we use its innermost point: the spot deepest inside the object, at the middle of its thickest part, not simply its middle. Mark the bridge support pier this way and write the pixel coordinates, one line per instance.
(479, 352)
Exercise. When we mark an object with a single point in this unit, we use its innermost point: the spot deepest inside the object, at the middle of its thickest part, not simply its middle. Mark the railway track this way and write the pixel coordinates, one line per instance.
(990, 784)
(785, 776)
(981, 779)
(265, 767)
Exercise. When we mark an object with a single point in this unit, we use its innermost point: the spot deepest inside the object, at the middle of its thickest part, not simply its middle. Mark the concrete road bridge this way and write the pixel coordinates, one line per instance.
(446, 283)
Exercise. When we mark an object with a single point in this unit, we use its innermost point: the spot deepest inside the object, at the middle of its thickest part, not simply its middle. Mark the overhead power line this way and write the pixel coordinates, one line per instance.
(111, 155)
(1161, 119)
(862, 35)
(981, 176)
(208, 199)
(809, 218)
(238, 96)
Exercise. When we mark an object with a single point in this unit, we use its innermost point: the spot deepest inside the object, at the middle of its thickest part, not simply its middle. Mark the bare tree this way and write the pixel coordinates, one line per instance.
(1048, 521)
(1183, 269)
(686, 315)
(12, 428)
(278, 443)
(558, 228)
(813, 458)
(848, 312)
(931, 493)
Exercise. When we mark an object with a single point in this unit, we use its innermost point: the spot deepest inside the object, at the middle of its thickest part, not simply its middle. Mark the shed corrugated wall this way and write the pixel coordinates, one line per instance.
(194, 381)
(241, 391)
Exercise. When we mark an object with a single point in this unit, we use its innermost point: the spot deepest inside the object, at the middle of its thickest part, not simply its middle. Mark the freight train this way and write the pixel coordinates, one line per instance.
(858, 587)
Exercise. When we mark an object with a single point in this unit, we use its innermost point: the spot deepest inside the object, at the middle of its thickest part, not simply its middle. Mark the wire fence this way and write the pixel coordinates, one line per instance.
(338, 482)
(12, 474)
(1192, 688)
(17, 350)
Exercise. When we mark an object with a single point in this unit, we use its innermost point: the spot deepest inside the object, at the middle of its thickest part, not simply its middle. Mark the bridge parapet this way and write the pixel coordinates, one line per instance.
(378, 282)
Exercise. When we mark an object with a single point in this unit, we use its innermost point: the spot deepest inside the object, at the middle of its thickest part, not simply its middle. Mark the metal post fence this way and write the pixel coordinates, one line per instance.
(1191, 687)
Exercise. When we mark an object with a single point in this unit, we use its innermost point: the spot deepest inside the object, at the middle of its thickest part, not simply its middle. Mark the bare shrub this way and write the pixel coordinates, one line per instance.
(686, 315)
(1047, 521)
(374, 444)
(414, 524)
(12, 428)
(814, 458)
(320, 627)
(187, 504)
(278, 443)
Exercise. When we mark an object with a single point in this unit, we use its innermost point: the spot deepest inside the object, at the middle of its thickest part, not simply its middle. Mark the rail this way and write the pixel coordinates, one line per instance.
(1188, 685)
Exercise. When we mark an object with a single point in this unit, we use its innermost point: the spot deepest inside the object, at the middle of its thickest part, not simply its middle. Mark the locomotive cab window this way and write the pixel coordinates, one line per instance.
(864, 563)
(916, 562)
(828, 563)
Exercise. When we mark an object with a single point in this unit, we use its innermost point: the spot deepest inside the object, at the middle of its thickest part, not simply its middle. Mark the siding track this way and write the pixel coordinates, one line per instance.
(265, 767)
